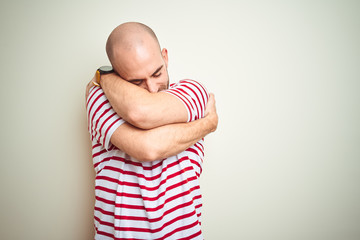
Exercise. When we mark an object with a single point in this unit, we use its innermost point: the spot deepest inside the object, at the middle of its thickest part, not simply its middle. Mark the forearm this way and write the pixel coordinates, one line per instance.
(172, 139)
(122, 95)
(164, 141)
(139, 107)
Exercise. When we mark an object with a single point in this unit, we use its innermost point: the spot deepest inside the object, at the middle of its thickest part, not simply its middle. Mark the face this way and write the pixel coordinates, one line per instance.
(146, 68)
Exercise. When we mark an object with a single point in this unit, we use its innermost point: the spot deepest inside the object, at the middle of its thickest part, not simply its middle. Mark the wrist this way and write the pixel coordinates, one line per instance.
(106, 79)
(101, 72)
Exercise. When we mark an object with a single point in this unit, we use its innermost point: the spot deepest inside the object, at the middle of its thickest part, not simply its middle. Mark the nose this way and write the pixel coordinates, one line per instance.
(151, 87)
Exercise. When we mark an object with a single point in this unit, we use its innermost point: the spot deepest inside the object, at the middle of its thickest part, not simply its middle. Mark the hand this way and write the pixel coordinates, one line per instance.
(210, 112)
(88, 86)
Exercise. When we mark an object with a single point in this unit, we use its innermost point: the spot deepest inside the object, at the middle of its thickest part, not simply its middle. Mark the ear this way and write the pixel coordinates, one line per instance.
(164, 54)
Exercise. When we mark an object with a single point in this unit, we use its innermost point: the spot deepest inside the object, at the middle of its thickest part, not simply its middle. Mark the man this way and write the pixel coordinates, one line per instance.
(148, 161)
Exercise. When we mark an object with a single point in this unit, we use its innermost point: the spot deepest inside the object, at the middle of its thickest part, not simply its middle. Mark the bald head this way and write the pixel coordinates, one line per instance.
(134, 52)
(129, 39)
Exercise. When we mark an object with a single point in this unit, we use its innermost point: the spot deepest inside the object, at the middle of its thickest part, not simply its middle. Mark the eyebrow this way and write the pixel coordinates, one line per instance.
(156, 71)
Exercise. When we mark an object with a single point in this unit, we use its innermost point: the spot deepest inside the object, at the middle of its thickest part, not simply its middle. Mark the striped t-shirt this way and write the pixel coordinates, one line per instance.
(145, 200)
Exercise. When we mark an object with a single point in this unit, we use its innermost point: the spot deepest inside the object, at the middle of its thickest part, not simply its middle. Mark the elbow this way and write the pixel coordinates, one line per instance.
(150, 155)
(137, 116)
(151, 151)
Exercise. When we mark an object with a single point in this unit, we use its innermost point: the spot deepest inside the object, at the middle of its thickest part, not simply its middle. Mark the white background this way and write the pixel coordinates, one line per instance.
(284, 163)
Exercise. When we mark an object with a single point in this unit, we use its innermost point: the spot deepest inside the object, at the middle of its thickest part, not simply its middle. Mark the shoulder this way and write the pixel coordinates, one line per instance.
(191, 86)
(193, 94)
(96, 94)
(188, 82)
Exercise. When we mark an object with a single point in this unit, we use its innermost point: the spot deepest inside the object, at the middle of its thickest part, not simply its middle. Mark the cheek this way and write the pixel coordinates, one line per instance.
(164, 80)
(163, 84)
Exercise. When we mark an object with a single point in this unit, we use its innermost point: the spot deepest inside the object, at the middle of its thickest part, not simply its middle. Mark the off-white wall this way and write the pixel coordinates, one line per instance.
(285, 160)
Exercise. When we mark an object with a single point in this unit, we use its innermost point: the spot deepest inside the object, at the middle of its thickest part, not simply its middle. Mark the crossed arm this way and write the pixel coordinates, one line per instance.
(162, 114)
(141, 108)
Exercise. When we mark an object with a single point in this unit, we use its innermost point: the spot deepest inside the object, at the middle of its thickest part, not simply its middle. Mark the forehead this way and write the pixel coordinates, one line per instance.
(140, 63)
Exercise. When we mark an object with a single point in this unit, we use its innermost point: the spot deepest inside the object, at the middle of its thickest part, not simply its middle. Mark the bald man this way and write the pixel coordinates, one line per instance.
(147, 141)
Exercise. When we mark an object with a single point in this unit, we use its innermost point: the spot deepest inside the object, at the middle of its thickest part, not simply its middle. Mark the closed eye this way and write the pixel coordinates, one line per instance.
(136, 81)
(157, 75)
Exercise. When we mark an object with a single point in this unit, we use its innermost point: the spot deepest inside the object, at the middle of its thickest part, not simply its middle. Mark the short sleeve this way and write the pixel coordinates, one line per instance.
(102, 119)
(193, 95)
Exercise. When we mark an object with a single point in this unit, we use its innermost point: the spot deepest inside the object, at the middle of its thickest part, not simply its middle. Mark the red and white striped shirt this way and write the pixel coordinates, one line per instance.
(145, 200)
